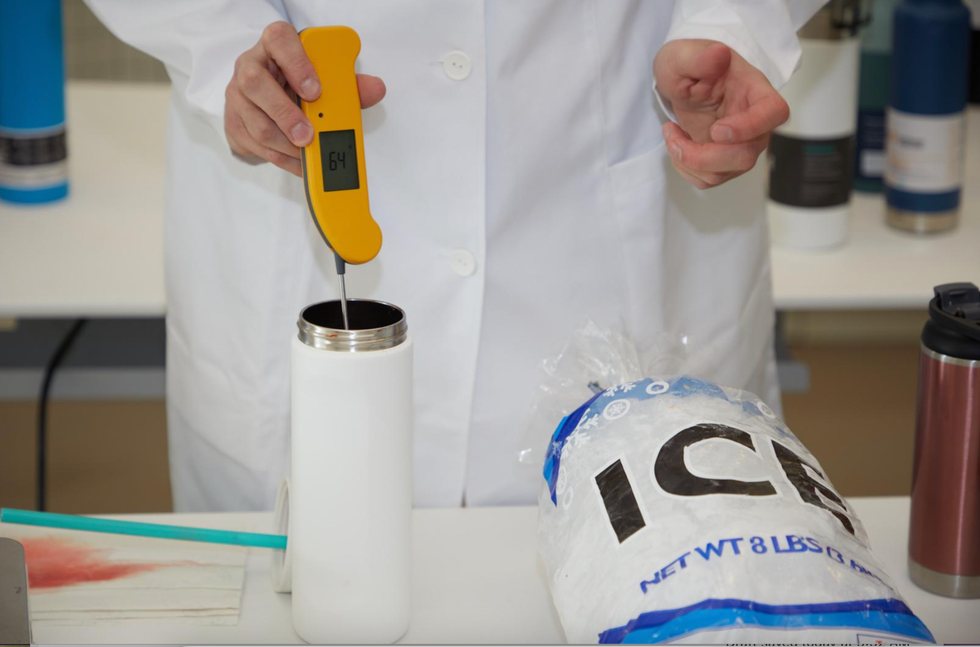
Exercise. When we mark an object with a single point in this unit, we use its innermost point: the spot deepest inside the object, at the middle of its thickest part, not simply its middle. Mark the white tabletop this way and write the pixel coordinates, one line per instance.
(100, 253)
(478, 580)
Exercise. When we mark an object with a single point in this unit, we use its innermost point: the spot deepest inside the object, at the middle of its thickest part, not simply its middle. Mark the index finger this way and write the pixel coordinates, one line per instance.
(259, 87)
(761, 118)
(715, 158)
(282, 44)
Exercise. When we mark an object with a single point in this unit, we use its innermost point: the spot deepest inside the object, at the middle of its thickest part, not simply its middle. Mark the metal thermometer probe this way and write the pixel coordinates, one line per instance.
(342, 272)
(334, 172)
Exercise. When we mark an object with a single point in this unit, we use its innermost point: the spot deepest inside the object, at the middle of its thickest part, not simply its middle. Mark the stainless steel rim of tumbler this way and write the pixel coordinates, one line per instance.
(949, 359)
(923, 223)
(952, 586)
(354, 341)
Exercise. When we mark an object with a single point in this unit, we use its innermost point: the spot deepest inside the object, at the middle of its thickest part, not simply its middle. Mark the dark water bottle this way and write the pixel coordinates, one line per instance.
(927, 114)
(974, 6)
(944, 538)
(876, 52)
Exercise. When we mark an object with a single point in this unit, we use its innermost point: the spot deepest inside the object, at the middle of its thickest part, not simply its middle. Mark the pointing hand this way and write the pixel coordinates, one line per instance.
(725, 110)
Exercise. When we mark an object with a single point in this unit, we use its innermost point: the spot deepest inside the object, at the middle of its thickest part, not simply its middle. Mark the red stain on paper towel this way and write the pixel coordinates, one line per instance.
(53, 562)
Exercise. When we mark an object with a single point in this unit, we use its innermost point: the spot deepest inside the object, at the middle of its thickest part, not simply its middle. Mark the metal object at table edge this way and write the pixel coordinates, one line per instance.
(15, 613)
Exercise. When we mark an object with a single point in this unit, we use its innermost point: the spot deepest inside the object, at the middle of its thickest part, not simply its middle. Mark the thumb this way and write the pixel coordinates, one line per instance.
(700, 61)
(371, 89)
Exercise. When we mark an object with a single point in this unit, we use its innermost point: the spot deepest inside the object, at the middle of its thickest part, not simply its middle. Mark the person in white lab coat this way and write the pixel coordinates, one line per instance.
(520, 169)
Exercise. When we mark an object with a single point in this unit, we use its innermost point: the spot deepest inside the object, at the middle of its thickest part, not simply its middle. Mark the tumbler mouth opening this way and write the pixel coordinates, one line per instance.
(374, 325)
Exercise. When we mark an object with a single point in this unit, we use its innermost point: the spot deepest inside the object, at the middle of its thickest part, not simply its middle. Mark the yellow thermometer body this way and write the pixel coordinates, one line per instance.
(333, 164)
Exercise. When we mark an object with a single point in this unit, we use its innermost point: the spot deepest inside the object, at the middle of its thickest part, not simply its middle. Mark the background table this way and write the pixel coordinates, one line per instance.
(100, 253)
(478, 580)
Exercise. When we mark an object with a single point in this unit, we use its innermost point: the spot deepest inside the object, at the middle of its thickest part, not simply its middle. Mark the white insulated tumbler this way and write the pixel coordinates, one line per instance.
(350, 494)
(811, 156)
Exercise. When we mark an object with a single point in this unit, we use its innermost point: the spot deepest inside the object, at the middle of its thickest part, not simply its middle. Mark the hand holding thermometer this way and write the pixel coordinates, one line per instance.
(333, 163)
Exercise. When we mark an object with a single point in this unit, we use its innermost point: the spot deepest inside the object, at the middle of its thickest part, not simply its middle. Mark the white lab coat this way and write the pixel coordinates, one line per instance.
(515, 202)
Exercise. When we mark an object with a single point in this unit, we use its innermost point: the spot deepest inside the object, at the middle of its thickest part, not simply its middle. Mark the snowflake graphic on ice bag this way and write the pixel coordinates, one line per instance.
(678, 510)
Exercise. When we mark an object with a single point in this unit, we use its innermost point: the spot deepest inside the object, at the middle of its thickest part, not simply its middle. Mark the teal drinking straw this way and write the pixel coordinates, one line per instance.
(160, 531)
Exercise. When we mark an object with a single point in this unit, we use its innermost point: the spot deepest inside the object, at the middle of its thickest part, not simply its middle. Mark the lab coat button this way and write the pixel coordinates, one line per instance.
(462, 262)
(457, 65)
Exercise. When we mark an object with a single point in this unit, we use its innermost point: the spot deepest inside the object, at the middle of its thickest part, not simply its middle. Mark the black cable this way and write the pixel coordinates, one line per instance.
(42, 408)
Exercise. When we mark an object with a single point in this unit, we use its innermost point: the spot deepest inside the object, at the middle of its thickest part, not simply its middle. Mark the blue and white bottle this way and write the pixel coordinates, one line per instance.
(926, 114)
(33, 157)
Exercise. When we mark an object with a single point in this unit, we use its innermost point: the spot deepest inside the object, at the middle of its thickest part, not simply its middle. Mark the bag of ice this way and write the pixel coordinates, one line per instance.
(682, 511)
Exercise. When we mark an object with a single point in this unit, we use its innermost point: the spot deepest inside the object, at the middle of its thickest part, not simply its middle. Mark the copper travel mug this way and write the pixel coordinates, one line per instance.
(944, 537)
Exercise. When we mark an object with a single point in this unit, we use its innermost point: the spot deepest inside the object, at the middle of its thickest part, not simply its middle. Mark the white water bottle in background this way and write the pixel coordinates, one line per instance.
(350, 493)
(811, 156)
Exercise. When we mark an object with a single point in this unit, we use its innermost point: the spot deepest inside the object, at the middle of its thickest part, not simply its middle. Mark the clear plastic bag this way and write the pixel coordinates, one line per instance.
(674, 509)
(592, 360)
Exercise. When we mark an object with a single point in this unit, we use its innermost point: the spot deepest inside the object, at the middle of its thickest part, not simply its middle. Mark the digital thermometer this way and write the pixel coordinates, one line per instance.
(333, 163)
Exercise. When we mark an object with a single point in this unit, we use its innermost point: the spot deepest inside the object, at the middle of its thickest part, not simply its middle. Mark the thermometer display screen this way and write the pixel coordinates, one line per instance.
(338, 156)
